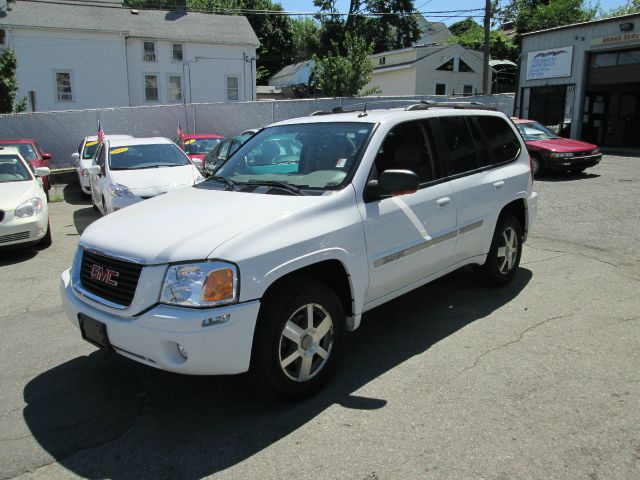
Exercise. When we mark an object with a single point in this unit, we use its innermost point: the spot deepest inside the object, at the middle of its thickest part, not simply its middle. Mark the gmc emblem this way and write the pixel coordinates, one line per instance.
(104, 275)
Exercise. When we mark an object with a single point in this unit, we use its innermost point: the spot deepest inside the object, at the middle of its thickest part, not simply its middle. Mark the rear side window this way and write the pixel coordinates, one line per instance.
(460, 155)
(500, 138)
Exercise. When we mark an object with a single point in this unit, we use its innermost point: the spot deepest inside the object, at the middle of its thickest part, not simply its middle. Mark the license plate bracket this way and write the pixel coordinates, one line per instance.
(94, 332)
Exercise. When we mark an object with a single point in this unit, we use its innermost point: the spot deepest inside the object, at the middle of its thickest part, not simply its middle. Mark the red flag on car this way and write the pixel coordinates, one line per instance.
(180, 132)
(100, 133)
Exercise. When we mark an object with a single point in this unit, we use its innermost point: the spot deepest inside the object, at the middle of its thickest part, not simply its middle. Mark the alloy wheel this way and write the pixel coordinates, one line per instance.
(508, 250)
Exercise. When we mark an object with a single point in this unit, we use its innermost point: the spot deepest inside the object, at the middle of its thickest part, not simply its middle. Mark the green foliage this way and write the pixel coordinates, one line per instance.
(632, 6)
(344, 75)
(501, 47)
(533, 15)
(386, 32)
(8, 84)
(462, 26)
(305, 37)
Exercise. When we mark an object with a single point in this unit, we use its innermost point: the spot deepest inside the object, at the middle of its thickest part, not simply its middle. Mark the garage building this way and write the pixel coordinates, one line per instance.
(583, 80)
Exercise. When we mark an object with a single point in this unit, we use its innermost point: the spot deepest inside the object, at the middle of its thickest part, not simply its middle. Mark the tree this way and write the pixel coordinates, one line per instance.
(396, 27)
(9, 84)
(501, 47)
(632, 6)
(344, 75)
(533, 15)
(306, 38)
(462, 26)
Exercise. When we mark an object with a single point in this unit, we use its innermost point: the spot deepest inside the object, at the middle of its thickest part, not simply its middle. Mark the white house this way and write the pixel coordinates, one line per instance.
(294, 74)
(432, 32)
(427, 70)
(75, 56)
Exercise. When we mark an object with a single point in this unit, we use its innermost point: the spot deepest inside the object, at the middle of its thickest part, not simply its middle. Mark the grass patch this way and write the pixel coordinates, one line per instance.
(56, 198)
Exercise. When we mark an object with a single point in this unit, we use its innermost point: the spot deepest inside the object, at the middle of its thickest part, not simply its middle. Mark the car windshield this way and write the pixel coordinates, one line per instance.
(12, 169)
(200, 145)
(309, 155)
(26, 150)
(135, 157)
(535, 131)
(89, 149)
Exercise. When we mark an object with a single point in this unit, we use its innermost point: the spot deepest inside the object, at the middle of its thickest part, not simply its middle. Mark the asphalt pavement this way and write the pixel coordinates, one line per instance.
(540, 379)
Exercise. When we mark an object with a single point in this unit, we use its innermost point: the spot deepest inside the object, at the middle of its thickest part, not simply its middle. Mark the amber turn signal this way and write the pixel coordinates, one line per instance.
(218, 286)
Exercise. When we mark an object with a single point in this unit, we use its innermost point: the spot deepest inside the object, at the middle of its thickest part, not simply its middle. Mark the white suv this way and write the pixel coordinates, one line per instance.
(308, 225)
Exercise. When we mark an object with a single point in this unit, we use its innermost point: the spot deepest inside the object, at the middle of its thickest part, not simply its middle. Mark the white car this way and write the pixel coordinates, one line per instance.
(130, 170)
(24, 217)
(296, 244)
(83, 158)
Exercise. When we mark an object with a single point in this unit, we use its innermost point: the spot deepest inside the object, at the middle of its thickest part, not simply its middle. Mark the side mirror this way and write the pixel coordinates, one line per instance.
(75, 156)
(94, 170)
(392, 183)
(42, 171)
(46, 156)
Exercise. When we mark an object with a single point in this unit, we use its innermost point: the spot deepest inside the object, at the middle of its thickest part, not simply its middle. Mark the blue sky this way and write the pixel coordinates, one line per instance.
(423, 6)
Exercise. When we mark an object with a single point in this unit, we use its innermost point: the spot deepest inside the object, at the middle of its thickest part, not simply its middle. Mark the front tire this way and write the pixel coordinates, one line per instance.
(504, 255)
(537, 165)
(299, 339)
(47, 240)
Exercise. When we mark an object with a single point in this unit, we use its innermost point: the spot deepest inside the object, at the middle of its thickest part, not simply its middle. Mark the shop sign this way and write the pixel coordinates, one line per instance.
(552, 63)
(618, 38)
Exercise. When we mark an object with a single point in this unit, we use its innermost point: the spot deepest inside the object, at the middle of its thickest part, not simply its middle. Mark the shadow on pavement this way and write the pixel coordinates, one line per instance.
(17, 254)
(150, 423)
(73, 194)
(84, 217)
(565, 176)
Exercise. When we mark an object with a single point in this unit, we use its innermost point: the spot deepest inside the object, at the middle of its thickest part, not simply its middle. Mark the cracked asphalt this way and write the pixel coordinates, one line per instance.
(537, 380)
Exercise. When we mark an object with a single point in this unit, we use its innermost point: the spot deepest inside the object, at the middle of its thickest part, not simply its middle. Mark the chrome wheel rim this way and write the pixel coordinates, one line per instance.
(306, 342)
(507, 250)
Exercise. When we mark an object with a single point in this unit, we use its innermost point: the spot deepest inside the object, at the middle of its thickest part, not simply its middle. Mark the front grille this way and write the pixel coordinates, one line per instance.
(109, 278)
(1, 215)
(14, 237)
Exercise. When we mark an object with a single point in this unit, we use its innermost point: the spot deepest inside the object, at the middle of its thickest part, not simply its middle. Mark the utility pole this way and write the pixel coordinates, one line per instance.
(485, 63)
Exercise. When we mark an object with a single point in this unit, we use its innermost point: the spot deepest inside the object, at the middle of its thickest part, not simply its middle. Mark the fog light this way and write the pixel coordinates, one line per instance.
(181, 350)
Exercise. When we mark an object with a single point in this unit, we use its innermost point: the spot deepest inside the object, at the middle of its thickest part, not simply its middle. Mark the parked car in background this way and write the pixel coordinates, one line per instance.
(196, 146)
(32, 153)
(224, 150)
(548, 151)
(127, 171)
(83, 158)
(24, 216)
(363, 208)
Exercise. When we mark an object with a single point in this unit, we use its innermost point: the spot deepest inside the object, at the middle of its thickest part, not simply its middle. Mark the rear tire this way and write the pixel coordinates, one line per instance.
(504, 255)
(299, 339)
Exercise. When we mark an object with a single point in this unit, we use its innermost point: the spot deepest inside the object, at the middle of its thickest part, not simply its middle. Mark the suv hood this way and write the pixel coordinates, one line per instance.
(14, 193)
(154, 181)
(187, 224)
(561, 145)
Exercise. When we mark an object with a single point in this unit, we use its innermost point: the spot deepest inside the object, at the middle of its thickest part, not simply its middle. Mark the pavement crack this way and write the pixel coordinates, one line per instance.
(595, 259)
(544, 259)
(479, 358)
(624, 320)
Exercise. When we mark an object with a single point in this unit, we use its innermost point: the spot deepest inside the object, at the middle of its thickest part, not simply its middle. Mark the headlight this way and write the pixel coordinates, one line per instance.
(29, 208)
(561, 155)
(118, 190)
(206, 284)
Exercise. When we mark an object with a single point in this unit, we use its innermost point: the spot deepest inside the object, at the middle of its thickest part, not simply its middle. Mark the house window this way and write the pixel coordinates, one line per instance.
(446, 66)
(149, 51)
(175, 88)
(63, 87)
(177, 52)
(441, 89)
(467, 90)
(382, 60)
(463, 67)
(151, 88)
(3, 37)
(232, 88)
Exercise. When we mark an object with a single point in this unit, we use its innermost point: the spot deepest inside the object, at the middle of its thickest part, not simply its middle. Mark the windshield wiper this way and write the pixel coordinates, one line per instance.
(272, 183)
(231, 185)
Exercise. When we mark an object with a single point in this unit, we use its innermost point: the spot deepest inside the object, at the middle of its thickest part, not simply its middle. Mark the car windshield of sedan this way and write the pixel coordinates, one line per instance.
(90, 149)
(26, 150)
(308, 156)
(200, 145)
(535, 131)
(136, 157)
(12, 169)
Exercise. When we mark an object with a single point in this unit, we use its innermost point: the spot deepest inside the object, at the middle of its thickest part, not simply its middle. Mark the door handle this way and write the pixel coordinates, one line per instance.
(498, 185)
(443, 202)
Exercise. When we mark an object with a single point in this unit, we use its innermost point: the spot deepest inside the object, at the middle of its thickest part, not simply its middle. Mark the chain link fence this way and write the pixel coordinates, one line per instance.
(60, 133)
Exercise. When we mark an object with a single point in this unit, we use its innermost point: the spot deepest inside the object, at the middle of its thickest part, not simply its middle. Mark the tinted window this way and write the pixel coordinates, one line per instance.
(90, 149)
(12, 169)
(26, 150)
(500, 137)
(200, 145)
(136, 157)
(460, 150)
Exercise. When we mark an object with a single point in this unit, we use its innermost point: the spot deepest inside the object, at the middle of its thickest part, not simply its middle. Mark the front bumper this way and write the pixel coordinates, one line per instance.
(152, 337)
(584, 161)
(84, 183)
(14, 231)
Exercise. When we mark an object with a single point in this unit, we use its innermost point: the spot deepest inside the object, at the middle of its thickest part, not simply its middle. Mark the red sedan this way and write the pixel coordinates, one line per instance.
(548, 151)
(31, 152)
(196, 146)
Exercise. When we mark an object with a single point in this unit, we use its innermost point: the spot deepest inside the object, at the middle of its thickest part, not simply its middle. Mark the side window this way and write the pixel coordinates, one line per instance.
(101, 156)
(407, 147)
(480, 142)
(500, 137)
(224, 149)
(460, 151)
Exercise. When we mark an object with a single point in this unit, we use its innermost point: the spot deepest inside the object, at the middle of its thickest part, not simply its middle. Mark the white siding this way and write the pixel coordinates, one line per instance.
(95, 60)
(394, 82)
(428, 75)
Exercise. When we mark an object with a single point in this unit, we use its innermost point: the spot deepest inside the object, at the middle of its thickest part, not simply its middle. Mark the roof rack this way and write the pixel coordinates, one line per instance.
(426, 105)
(333, 110)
